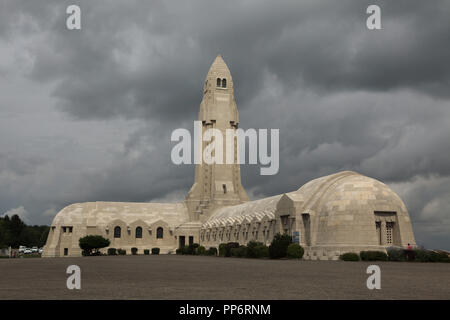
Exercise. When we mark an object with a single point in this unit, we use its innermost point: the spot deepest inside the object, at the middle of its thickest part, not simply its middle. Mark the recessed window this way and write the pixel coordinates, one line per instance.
(159, 233)
(138, 232)
(218, 82)
(117, 232)
(224, 83)
(224, 186)
(389, 232)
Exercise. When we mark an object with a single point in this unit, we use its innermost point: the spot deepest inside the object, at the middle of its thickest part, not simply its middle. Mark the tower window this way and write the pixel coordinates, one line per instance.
(117, 232)
(159, 233)
(218, 82)
(224, 83)
(224, 186)
(138, 232)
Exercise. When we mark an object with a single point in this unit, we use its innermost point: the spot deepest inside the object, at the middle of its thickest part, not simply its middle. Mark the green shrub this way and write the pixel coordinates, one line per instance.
(134, 251)
(192, 248)
(349, 256)
(155, 250)
(4, 257)
(257, 250)
(279, 245)
(396, 254)
(91, 244)
(222, 249)
(201, 251)
(295, 251)
(185, 250)
(442, 257)
(146, 251)
(225, 248)
(373, 256)
(262, 251)
(423, 255)
(239, 252)
(112, 251)
(121, 252)
(212, 251)
(252, 252)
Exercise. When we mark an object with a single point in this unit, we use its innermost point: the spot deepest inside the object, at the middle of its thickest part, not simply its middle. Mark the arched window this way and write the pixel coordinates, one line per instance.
(138, 232)
(218, 82)
(224, 83)
(159, 233)
(117, 232)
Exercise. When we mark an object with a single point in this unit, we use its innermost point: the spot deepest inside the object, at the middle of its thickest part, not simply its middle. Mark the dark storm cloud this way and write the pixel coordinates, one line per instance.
(343, 97)
(128, 58)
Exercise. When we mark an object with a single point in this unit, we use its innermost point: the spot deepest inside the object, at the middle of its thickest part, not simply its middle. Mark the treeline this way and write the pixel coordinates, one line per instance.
(14, 232)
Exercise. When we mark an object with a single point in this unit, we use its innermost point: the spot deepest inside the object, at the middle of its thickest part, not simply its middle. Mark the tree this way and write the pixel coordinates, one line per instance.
(44, 235)
(14, 232)
(91, 244)
(279, 245)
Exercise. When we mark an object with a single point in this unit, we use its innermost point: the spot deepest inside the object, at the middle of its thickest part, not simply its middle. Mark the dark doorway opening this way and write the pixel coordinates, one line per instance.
(191, 240)
(182, 241)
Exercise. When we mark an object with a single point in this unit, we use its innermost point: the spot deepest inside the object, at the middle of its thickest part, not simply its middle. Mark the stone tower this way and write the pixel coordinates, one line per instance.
(217, 185)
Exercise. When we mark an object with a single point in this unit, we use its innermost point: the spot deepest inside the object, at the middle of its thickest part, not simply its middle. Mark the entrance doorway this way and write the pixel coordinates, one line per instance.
(182, 241)
(191, 240)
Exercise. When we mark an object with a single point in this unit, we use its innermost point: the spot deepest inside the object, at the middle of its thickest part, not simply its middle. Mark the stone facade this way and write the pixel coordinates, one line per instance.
(342, 212)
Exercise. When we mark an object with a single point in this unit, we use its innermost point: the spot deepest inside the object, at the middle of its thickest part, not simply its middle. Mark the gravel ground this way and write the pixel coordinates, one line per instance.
(198, 277)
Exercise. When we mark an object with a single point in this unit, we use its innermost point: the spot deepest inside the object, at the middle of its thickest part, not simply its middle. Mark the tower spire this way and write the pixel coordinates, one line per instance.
(215, 184)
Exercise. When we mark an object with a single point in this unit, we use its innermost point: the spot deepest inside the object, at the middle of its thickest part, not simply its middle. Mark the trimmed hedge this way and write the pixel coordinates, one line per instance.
(192, 249)
(373, 256)
(112, 252)
(349, 256)
(146, 251)
(295, 251)
(279, 245)
(225, 248)
(240, 252)
(134, 251)
(201, 251)
(155, 250)
(257, 250)
(423, 255)
(212, 251)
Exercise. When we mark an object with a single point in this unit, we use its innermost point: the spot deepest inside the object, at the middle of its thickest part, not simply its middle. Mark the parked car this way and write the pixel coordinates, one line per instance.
(27, 251)
(34, 249)
(40, 250)
(22, 249)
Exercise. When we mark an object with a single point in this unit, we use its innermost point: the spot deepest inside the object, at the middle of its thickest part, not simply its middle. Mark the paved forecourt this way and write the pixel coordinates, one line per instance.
(199, 277)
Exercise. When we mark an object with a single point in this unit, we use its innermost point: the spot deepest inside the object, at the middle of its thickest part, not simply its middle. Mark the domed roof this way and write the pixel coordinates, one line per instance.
(345, 207)
(350, 192)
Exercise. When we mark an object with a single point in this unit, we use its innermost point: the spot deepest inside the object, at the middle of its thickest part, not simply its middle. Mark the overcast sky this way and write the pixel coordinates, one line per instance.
(87, 115)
